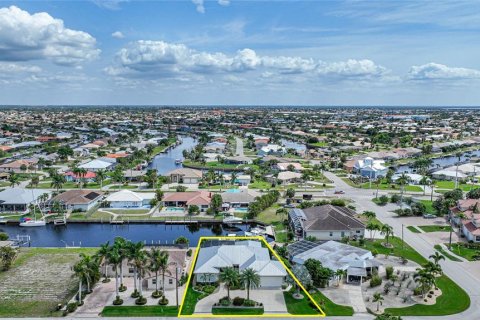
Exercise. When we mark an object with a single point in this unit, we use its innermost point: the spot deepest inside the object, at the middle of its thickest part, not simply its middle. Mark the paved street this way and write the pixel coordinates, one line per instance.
(239, 151)
(465, 274)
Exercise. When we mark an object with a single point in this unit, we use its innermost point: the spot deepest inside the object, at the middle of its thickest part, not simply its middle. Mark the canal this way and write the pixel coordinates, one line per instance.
(442, 162)
(165, 162)
(95, 234)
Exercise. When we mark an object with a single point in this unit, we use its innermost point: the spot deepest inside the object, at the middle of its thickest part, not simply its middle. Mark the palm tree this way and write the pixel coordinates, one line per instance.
(339, 275)
(402, 181)
(230, 277)
(80, 271)
(13, 179)
(233, 177)
(92, 269)
(115, 259)
(377, 297)
(387, 230)
(140, 265)
(373, 227)
(425, 278)
(100, 176)
(424, 182)
(102, 257)
(250, 279)
(35, 181)
(57, 181)
(370, 214)
(122, 248)
(436, 257)
(158, 262)
(135, 252)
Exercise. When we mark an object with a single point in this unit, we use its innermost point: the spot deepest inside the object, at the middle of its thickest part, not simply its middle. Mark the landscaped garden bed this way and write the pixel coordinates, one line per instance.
(237, 305)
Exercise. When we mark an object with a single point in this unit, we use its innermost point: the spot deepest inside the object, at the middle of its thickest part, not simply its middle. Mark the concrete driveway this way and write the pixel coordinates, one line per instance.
(272, 299)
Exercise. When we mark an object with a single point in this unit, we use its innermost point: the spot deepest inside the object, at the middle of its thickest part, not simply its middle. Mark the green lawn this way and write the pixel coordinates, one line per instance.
(260, 184)
(429, 206)
(383, 186)
(451, 185)
(129, 211)
(413, 229)
(434, 228)
(397, 249)
(238, 310)
(463, 252)
(306, 307)
(446, 254)
(452, 300)
(140, 311)
(190, 301)
(211, 165)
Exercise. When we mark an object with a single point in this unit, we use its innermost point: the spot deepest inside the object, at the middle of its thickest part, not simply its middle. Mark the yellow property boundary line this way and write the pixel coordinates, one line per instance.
(268, 315)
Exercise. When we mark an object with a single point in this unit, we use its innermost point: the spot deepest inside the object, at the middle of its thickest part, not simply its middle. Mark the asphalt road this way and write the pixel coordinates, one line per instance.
(465, 274)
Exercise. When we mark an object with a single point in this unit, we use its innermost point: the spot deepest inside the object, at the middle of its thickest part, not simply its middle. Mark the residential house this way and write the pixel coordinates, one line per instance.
(289, 166)
(98, 164)
(357, 263)
(240, 255)
(18, 199)
(202, 199)
(272, 149)
(87, 177)
(125, 199)
(185, 175)
(79, 200)
(241, 198)
(327, 222)
(370, 168)
(18, 166)
(285, 177)
(466, 215)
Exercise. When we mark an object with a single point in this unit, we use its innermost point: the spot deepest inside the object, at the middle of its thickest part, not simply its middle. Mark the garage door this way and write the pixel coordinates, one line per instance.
(271, 282)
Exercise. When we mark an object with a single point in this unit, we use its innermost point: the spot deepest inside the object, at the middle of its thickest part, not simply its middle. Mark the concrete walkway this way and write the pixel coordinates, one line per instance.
(356, 299)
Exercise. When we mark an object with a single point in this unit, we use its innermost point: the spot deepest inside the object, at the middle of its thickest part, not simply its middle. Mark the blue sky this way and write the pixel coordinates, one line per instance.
(240, 52)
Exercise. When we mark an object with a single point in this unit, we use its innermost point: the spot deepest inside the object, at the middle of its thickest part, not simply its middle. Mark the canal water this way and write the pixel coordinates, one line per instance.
(95, 234)
(165, 162)
(289, 144)
(442, 162)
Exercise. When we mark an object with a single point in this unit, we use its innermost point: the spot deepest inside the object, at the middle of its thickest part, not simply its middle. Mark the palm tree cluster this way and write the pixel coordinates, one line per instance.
(426, 276)
(248, 278)
(141, 260)
(87, 271)
(263, 202)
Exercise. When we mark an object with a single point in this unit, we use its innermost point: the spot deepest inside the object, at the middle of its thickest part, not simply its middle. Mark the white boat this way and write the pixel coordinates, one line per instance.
(33, 223)
(178, 161)
(255, 232)
(232, 219)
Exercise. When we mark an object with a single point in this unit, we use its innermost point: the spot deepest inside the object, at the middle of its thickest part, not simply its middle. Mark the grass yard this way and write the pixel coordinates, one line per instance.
(39, 279)
(463, 252)
(451, 185)
(140, 311)
(260, 184)
(306, 307)
(446, 254)
(397, 250)
(383, 186)
(269, 215)
(434, 228)
(129, 211)
(190, 301)
(428, 206)
(413, 229)
(237, 310)
(452, 300)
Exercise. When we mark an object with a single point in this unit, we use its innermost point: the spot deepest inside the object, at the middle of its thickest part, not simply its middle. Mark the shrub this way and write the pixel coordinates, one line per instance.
(238, 301)
(249, 303)
(383, 199)
(375, 281)
(189, 253)
(3, 236)
(417, 291)
(225, 302)
(395, 198)
(163, 301)
(284, 286)
(389, 271)
(156, 294)
(374, 252)
(209, 289)
(71, 307)
(140, 301)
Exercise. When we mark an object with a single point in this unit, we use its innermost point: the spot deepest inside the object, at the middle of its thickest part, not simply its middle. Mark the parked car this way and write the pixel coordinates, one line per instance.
(429, 216)
(339, 192)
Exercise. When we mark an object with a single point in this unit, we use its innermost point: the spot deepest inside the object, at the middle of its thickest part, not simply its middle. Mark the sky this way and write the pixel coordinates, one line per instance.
(234, 52)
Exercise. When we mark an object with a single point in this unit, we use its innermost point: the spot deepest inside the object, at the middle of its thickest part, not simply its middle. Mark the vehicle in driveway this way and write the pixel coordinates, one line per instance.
(339, 192)
(429, 216)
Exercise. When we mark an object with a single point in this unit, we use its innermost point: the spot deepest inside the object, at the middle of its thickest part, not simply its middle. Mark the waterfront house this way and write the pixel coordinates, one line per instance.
(98, 164)
(466, 215)
(327, 222)
(185, 175)
(240, 255)
(82, 200)
(357, 263)
(18, 199)
(238, 160)
(272, 149)
(286, 177)
(124, 199)
(18, 166)
(285, 166)
(202, 199)
(240, 198)
(87, 177)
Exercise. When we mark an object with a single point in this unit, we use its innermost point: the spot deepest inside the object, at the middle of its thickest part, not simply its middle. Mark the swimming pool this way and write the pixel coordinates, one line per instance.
(243, 210)
(232, 190)
(174, 209)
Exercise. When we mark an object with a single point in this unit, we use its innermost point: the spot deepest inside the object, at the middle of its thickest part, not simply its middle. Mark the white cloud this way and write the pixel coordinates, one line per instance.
(118, 35)
(109, 4)
(14, 68)
(199, 5)
(224, 2)
(158, 59)
(25, 36)
(436, 71)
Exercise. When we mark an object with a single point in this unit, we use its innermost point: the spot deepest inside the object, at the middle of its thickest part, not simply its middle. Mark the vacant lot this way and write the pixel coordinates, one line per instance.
(38, 281)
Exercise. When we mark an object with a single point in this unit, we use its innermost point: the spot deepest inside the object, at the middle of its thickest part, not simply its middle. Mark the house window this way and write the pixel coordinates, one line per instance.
(358, 231)
(331, 234)
(343, 234)
(130, 270)
(154, 281)
(170, 281)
